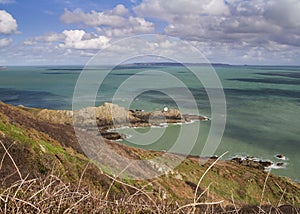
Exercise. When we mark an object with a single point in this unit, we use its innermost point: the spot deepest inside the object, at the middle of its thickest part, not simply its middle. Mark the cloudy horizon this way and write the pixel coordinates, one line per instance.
(259, 32)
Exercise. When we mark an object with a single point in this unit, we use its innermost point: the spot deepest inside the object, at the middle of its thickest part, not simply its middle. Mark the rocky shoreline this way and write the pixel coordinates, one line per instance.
(110, 116)
(256, 163)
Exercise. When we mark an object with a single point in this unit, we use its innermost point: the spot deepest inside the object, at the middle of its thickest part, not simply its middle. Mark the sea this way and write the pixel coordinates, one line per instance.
(262, 105)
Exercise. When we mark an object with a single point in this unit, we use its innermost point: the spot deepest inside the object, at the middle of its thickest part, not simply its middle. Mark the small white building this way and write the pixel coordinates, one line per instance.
(166, 109)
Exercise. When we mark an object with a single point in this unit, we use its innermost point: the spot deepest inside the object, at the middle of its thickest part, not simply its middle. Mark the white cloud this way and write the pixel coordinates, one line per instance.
(146, 45)
(47, 38)
(51, 37)
(8, 25)
(112, 17)
(254, 22)
(170, 10)
(236, 31)
(76, 39)
(68, 39)
(284, 12)
(5, 42)
(113, 23)
(73, 36)
(120, 10)
(134, 25)
(92, 19)
(216, 7)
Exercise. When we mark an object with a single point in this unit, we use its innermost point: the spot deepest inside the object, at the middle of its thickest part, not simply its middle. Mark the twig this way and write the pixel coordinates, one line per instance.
(74, 205)
(19, 187)
(11, 158)
(136, 193)
(1, 163)
(133, 187)
(28, 203)
(82, 174)
(200, 180)
(263, 191)
(198, 204)
(41, 190)
(202, 193)
(114, 179)
(281, 197)
(235, 208)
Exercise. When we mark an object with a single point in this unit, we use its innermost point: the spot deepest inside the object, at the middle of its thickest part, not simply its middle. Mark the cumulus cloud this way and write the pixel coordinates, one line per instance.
(47, 38)
(170, 10)
(69, 39)
(155, 45)
(284, 12)
(8, 25)
(134, 25)
(5, 42)
(76, 39)
(253, 22)
(114, 17)
(224, 30)
(115, 22)
(93, 18)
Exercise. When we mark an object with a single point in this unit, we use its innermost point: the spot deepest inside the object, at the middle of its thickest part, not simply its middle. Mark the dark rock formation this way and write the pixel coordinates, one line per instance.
(257, 164)
(112, 135)
(280, 164)
(280, 156)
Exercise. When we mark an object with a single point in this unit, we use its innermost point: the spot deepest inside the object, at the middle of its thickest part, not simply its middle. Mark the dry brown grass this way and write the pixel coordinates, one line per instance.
(51, 194)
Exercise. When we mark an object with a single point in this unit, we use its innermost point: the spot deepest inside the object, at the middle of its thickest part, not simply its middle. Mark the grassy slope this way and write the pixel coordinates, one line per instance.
(40, 148)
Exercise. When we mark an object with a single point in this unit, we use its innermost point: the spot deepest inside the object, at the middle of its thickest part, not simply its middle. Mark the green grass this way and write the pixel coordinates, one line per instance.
(70, 164)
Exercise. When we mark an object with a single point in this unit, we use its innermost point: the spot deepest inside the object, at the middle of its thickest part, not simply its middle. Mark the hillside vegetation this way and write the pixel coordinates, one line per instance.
(44, 170)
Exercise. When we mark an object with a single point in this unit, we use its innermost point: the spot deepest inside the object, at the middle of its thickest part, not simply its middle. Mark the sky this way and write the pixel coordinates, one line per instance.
(70, 32)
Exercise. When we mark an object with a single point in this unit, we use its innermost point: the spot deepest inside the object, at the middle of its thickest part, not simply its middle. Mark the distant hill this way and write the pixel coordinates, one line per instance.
(153, 64)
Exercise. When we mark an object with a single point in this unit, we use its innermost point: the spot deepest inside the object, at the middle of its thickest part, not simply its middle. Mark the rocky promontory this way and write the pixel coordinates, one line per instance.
(111, 116)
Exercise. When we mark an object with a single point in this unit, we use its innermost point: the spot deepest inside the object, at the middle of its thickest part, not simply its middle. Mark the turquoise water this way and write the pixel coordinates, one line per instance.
(263, 114)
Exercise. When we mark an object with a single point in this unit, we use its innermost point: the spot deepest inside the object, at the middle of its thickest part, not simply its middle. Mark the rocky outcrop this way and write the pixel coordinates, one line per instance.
(56, 116)
(110, 116)
(253, 163)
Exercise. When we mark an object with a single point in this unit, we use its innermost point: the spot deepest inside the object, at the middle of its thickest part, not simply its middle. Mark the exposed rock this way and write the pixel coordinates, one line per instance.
(265, 164)
(214, 157)
(257, 164)
(178, 176)
(189, 118)
(112, 135)
(110, 116)
(280, 164)
(280, 156)
(56, 116)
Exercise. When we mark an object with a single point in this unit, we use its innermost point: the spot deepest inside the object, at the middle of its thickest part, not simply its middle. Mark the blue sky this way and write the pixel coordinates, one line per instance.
(48, 32)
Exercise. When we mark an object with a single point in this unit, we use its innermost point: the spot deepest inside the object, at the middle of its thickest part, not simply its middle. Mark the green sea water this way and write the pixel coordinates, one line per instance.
(263, 106)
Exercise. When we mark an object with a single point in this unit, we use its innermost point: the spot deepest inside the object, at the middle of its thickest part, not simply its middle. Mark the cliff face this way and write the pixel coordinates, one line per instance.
(43, 142)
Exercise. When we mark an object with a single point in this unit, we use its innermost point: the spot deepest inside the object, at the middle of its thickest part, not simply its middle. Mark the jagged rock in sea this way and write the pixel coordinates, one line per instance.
(280, 164)
(250, 162)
